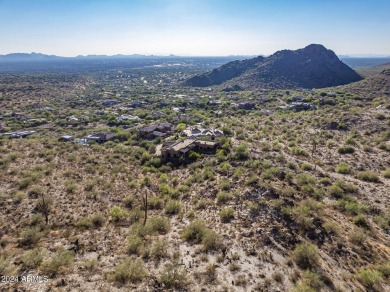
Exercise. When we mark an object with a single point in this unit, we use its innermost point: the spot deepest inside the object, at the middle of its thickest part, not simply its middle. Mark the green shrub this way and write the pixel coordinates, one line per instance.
(361, 221)
(306, 166)
(223, 197)
(158, 225)
(386, 173)
(173, 276)
(195, 231)
(129, 270)
(159, 249)
(84, 223)
(135, 245)
(211, 240)
(173, 207)
(331, 227)
(155, 203)
(97, 220)
(343, 168)
(357, 237)
(61, 259)
(369, 277)
(70, 187)
(226, 214)
(118, 213)
(346, 150)
(29, 237)
(32, 259)
(241, 152)
(129, 201)
(305, 255)
(368, 176)
(298, 151)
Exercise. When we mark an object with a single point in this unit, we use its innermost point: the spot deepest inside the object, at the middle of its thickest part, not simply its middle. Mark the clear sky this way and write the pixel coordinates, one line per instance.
(193, 27)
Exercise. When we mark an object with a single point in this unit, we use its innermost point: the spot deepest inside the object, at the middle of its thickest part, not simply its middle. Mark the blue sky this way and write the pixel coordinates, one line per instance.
(193, 27)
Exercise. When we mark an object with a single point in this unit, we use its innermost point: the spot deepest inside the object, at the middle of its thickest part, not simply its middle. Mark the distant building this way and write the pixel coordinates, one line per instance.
(161, 130)
(176, 150)
(19, 134)
(246, 105)
(66, 138)
(99, 137)
(196, 132)
(301, 106)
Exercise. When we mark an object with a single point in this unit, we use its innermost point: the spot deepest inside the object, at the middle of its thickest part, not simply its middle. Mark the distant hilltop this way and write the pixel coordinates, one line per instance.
(311, 67)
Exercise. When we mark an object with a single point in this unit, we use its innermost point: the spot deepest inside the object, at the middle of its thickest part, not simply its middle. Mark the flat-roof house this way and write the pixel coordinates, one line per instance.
(66, 138)
(175, 150)
(99, 137)
(157, 130)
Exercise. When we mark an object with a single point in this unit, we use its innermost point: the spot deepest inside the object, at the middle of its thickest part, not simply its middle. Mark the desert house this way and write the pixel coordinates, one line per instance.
(175, 150)
(161, 130)
(99, 137)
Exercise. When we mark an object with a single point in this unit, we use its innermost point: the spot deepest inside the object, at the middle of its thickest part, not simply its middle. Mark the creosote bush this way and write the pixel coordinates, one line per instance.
(61, 259)
(129, 270)
(306, 255)
(226, 214)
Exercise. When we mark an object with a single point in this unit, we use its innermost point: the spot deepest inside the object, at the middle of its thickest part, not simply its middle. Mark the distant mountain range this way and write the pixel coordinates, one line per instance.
(25, 57)
(311, 67)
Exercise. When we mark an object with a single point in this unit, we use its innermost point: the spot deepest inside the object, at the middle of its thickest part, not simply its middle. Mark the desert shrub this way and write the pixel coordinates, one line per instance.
(173, 207)
(35, 191)
(361, 221)
(351, 206)
(159, 249)
(211, 240)
(223, 197)
(368, 176)
(60, 259)
(305, 179)
(84, 223)
(135, 245)
(29, 237)
(129, 201)
(32, 259)
(5, 265)
(117, 213)
(369, 277)
(298, 151)
(346, 150)
(224, 185)
(226, 214)
(386, 173)
(306, 166)
(302, 287)
(270, 173)
(24, 183)
(384, 269)
(241, 152)
(158, 225)
(129, 270)
(343, 168)
(97, 220)
(305, 255)
(173, 276)
(164, 189)
(135, 215)
(195, 231)
(331, 227)
(70, 187)
(201, 204)
(336, 191)
(155, 203)
(357, 237)
(383, 220)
